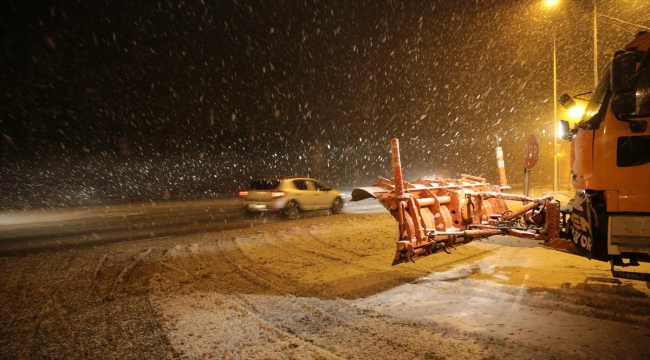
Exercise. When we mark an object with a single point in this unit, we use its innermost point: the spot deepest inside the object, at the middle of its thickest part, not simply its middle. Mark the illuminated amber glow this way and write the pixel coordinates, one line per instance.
(576, 112)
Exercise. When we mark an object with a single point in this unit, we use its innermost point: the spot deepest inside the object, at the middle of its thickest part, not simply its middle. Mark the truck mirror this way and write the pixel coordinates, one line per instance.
(623, 82)
(566, 101)
(563, 130)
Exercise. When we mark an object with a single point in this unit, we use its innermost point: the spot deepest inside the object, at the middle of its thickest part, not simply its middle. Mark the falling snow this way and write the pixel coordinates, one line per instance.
(106, 105)
(96, 94)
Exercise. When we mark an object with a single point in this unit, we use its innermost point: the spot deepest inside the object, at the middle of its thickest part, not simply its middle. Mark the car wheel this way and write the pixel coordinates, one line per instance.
(251, 214)
(291, 210)
(337, 206)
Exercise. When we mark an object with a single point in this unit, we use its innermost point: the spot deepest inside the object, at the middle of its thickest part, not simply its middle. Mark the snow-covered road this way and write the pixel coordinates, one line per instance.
(318, 287)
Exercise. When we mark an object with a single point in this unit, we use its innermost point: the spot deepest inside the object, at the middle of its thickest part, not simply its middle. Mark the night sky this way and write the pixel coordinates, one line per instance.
(148, 95)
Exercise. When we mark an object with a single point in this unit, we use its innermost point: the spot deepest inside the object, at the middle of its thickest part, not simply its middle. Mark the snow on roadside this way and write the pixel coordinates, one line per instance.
(236, 326)
(484, 306)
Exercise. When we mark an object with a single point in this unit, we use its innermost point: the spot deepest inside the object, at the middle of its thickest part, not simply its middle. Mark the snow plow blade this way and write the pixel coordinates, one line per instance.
(363, 193)
(435, 215)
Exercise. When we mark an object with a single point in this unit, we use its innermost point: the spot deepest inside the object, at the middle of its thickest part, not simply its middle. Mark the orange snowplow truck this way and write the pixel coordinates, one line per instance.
(608, 219)
(610, 162)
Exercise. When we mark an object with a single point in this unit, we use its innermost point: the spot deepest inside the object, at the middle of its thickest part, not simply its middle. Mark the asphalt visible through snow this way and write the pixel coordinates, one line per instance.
(37, 230)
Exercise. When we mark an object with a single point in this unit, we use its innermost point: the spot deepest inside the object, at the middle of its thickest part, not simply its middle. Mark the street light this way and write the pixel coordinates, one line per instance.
(555, 119)
(554, 114)
(555, 128)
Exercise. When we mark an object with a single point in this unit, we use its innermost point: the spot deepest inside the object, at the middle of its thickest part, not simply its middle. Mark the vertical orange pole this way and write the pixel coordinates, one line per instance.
(397, 167)
(503, 182)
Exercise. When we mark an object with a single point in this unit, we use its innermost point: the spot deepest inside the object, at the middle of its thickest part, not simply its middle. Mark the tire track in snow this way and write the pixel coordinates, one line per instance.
(296, 249)
(226, 329)
(243, 271)
(118, 284)
(347, 331)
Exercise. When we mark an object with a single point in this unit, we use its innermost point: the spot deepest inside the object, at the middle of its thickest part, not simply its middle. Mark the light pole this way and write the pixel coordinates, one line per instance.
(554, 115)
(595, 46)
(554, 132)
(555, 121)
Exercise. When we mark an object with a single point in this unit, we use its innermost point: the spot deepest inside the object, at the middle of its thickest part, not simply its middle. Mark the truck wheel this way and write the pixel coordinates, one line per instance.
(337, 206)
(291, 210)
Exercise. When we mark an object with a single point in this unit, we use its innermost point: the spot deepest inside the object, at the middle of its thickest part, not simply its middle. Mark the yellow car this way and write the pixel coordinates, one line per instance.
(290, 196)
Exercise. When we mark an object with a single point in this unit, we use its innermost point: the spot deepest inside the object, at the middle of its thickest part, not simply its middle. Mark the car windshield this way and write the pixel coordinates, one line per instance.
(597, 98)
(264, 184)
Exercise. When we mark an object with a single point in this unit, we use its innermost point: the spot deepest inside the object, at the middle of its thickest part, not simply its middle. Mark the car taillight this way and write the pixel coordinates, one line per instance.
(243, 193)
(278, 194)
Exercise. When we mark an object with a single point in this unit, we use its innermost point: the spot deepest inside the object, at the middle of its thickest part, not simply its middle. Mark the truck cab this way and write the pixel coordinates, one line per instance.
(610, 158)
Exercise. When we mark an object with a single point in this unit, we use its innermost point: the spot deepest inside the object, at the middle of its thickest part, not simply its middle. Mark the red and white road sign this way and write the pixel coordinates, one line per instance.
(531, 150)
